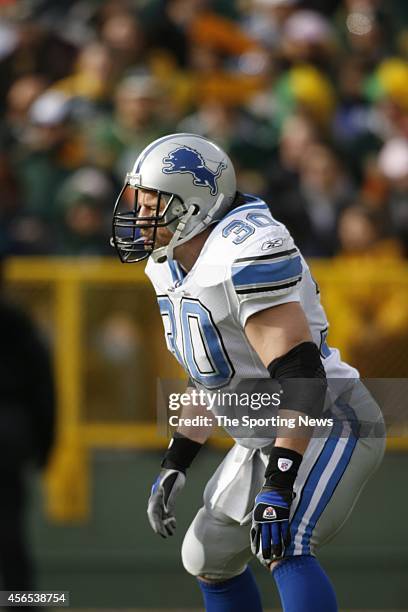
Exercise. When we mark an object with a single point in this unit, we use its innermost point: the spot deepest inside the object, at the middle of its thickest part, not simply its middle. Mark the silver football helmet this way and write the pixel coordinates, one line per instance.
(195, 183)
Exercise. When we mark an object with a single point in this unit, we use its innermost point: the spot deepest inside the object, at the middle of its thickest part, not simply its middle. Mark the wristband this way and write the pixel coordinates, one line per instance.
(180, 453)
(282, 468)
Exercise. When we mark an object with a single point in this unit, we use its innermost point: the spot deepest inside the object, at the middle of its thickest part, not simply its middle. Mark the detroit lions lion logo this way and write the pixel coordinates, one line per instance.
(185, 160)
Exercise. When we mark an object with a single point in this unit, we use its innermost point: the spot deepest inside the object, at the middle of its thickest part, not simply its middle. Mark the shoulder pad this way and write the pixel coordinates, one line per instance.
(263, 255)
(248, 230)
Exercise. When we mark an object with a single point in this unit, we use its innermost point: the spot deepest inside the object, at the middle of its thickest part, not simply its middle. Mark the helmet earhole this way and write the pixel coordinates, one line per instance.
(177, 209)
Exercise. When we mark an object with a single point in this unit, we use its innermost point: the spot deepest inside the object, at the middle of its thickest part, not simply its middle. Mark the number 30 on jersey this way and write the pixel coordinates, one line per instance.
(202, 352)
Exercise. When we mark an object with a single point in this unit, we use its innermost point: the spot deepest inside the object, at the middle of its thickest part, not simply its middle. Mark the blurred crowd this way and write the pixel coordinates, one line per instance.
(309, 98)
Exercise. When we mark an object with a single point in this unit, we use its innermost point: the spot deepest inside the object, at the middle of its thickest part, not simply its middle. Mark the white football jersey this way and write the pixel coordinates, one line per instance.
(248, 263)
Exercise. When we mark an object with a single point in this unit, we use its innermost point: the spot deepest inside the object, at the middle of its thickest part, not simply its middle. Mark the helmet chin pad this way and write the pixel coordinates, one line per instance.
(161, 254)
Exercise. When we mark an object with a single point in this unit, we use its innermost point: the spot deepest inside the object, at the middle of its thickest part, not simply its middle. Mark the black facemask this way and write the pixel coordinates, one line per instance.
(127, 223)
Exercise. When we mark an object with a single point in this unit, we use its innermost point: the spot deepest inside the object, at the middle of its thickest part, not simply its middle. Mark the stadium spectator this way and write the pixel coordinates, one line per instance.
(308, 187)
(33, 49)
(311, 207)
(114, 139)
(21, 96)
(123, 35)
(367, 30)
(83, 205)
(48, 151)
(167, 27)
(26, 435)
(393, 163)
(244, 74)
(10, 201)
(247, 139)
(362, 233)
(354, 125)
(326, 190)
(91, 83)
(178, 27)
(264, 20)
(371, 321)
(387, 88)
(308, 37)
(209, 48)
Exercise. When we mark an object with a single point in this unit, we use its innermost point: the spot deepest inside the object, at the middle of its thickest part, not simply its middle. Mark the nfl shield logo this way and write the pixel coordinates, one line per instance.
(269, 513)
(284, 464)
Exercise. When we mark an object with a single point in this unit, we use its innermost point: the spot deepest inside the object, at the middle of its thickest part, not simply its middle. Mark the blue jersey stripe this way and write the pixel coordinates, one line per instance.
(252, 198)
(269, 272)
(177, 273)
(173, 269)
(181, 273)
(239, 209)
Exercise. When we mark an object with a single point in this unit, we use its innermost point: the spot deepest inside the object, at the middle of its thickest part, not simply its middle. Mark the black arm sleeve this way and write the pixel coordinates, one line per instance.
(302, 378)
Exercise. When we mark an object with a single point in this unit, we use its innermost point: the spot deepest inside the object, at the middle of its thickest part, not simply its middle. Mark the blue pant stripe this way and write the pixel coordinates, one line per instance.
(312, 481)
(328, 492)
(315, 475)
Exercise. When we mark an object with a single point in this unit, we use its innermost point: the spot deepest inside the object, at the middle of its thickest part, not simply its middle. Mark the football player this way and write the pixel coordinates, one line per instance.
(238, 302)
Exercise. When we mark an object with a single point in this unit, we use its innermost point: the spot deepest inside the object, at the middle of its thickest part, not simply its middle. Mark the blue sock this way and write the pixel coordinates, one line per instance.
(303, 586)
(238, 594)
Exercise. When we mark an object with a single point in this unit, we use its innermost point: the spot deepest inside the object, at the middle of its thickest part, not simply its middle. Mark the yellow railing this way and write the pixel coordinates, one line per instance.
(70, 297)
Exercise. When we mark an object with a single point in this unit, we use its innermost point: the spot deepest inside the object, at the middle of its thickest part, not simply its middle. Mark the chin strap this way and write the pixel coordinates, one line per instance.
(163, 253)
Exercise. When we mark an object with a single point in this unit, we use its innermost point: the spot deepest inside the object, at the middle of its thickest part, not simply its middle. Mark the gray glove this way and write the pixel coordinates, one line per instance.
(160, 508)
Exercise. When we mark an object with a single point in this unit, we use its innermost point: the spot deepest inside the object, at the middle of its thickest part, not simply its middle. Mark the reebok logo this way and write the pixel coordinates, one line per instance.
(284, 464)
(272, 244)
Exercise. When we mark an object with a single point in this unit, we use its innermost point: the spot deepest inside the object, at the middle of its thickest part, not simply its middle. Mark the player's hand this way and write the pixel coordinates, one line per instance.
(270, 533)
(160, 509)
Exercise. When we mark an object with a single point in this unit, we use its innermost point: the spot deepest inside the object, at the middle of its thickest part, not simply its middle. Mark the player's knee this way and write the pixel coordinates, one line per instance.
(192, 555)
(195, 561)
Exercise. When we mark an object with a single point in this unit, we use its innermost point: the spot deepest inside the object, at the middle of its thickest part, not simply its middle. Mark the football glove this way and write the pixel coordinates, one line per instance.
(270, 533)
(160, 509)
